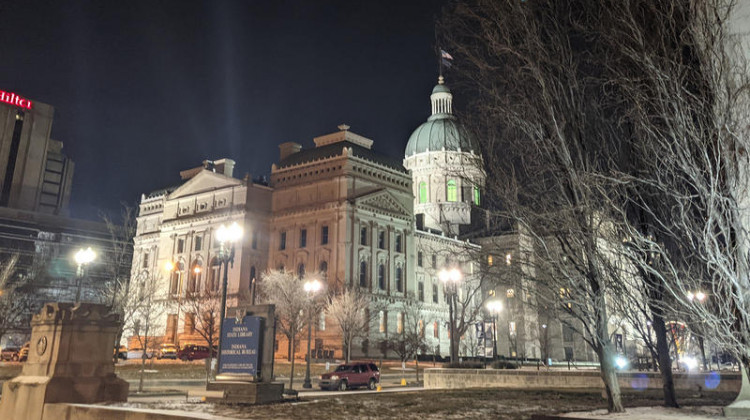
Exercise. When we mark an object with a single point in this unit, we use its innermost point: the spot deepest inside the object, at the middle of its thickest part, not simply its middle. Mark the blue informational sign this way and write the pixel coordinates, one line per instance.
(240, 345)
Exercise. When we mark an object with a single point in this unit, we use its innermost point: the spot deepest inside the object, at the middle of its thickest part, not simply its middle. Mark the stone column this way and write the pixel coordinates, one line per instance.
(70, 361)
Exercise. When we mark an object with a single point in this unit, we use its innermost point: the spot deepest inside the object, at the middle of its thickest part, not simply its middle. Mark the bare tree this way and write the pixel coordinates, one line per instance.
(145, 309)
(350, 311)
(410, 339)
(202, 312)
(15, 300)
(285, 290)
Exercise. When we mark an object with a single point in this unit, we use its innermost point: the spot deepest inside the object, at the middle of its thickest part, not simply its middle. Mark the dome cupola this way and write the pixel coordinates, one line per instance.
(442, 131)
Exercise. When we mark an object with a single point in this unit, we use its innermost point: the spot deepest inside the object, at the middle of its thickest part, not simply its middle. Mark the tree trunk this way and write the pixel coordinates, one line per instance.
(665, 362)
(348, 350)
(609, 376)
(416, 367)
(291, 355)
(289, 348)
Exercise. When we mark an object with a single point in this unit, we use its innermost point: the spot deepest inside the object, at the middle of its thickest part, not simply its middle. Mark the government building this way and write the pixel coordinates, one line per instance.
(360, 220)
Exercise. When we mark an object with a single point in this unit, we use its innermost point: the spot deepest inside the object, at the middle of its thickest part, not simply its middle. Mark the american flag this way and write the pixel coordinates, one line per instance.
(444, 54)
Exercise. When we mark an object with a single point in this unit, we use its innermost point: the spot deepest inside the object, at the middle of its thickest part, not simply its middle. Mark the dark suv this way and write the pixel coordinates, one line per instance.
(193, 352)
(351, 376)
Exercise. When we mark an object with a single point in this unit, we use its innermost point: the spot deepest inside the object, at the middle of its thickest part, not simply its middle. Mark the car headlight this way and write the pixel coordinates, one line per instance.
(334, 377)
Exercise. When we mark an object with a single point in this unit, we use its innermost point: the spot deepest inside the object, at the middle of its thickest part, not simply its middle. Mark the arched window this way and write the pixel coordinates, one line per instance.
(194, 280)
(399, 279)
(422, 192)
(452, 190)
(363, 274)
(323, 268)
(476, 195)
(252, 276)
(381, 276)
(435, 330)
(301, 270)
(214, 275)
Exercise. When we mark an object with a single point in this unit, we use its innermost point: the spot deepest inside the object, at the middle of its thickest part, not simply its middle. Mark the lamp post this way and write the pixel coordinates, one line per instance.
(700, 297)
(227, 237)
(451, 278)
(494, 307)
(311, 288)
(83, 258)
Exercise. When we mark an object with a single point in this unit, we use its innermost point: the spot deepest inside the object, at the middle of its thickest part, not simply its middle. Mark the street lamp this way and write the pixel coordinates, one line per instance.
(451, 278)
(311, 288)
(227, 237)
(700, 297)
(83, 258)
(494, 307)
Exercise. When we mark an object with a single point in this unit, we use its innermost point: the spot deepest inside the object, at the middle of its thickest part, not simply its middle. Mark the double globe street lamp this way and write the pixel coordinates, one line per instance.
(311, 287)
(227, 236)
(451, 279)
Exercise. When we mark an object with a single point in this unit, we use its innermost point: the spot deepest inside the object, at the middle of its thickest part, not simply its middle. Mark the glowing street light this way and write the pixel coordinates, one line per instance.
(227, 236)
(451, 278)
(83, 258)
(311, 287)
(494, 307)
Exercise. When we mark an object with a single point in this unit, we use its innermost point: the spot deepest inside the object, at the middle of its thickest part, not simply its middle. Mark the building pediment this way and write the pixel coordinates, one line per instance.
(383, 202)
(203, 182)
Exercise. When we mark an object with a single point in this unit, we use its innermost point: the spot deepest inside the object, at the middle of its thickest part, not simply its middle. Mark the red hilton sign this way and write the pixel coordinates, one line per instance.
(13, 99)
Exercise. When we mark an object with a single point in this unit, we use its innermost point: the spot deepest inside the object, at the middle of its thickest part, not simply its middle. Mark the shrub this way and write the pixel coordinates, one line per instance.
(464, 365)
(504, 364)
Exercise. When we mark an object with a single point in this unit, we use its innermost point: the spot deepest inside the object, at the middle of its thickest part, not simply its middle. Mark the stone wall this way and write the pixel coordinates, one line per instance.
(542, 379)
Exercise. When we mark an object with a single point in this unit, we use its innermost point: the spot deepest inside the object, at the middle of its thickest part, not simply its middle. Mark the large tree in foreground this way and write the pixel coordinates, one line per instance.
(350, 311)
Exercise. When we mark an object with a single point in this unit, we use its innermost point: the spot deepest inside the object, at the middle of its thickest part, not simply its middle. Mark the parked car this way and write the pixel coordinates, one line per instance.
(168, 351)
(193, 352)
(122, 353)
(137, 353)
(9, 354)
(353, 375)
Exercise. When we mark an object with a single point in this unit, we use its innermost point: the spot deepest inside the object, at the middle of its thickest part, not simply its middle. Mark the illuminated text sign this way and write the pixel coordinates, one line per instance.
(13, 99)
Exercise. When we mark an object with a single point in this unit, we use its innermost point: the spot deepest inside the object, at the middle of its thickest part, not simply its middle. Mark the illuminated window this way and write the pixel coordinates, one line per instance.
(510, 293)
(491, 293)
(422, 192)
(400, 323)
(322, 321)
(476, 195)
(508, 258)
(435, 330)
(452, 190)
(383, 321)
(512, 328)
(421, 328)
(489, 260)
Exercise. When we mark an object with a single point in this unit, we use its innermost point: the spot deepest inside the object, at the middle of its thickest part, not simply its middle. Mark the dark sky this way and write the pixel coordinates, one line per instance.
(144, 89)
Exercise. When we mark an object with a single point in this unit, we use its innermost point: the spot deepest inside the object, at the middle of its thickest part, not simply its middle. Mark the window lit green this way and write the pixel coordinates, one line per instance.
(452, 190)
(422, 192)
(476, 195)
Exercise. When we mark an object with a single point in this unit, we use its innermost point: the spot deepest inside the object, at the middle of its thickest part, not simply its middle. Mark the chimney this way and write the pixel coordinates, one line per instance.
(289, 148)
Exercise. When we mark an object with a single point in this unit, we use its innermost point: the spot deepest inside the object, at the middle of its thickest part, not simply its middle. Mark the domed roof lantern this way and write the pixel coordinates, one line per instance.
(442, 131)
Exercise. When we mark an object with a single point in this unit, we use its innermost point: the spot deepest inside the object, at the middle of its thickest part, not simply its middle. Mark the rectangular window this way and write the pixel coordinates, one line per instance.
(398, 243)
(322, 322)
(324, 235)
(303, 238)
(434, 293)
(254, 241)
(180, 246)
(567, 333)
(512, 328)
(419, 258)
(145, 260)
(282, 241)
(198, 243)
(383, 322)
(400, 323)
(381, 240)
(434, 261)
(421, 291)
(363, 236)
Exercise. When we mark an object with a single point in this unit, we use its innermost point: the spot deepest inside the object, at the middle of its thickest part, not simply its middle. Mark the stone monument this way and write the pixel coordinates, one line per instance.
(70, 361)
(245, 374)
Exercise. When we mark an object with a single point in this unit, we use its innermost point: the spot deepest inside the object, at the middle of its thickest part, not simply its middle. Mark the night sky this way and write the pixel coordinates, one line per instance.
(144, 89)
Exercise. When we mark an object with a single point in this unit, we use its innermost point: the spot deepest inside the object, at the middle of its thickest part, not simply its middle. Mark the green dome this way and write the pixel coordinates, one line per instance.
(441, 88)
(440, 131)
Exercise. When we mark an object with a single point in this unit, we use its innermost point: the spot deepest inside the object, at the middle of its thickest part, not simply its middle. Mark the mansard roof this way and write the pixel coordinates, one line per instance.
(336, 149)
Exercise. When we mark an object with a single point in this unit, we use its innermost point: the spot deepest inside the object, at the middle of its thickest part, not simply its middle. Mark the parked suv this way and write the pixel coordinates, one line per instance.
(168, 351)
(351, 376)
(193, 352)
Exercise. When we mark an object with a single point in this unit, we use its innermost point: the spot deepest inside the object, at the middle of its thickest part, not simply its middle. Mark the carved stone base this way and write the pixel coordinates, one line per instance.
(239, 392)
